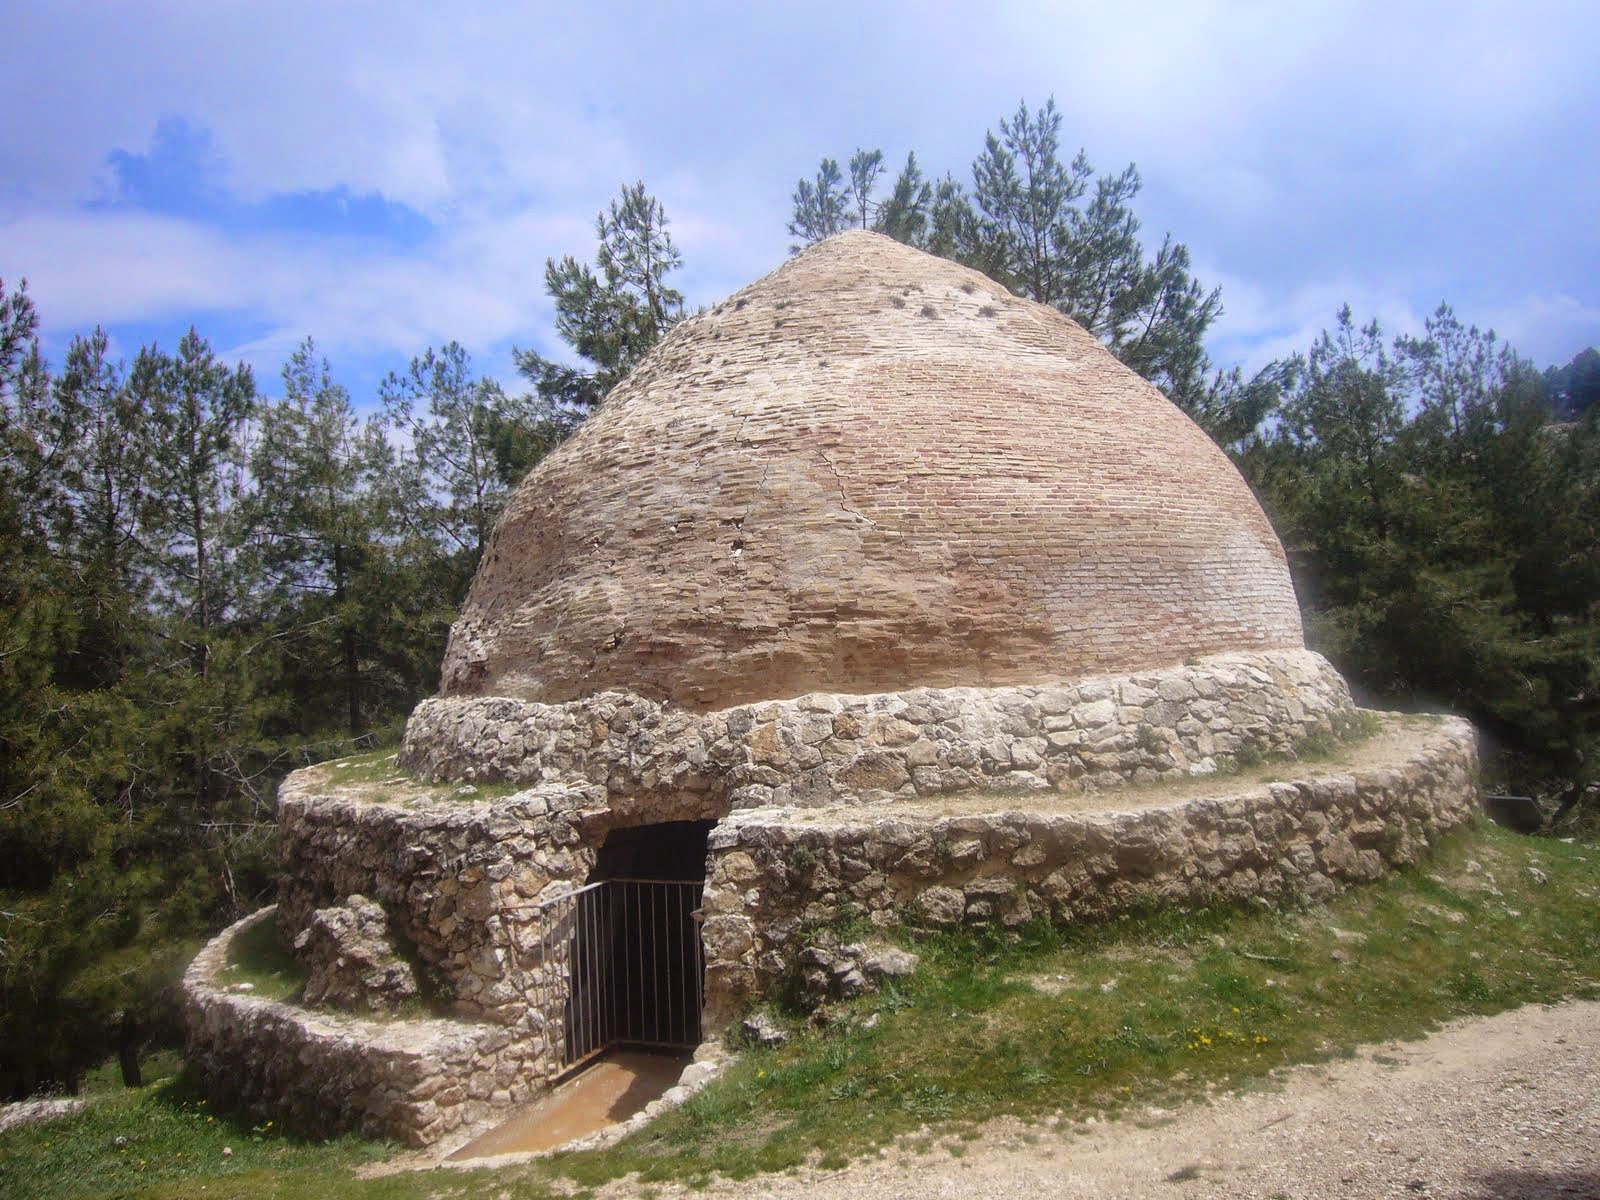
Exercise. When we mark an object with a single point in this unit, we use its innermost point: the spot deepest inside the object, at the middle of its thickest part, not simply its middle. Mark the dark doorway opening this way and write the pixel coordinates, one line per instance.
(637, 967)
(670, 850)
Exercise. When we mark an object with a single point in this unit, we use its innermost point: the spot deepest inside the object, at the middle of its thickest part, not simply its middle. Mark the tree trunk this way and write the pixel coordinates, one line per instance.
(129, 1033)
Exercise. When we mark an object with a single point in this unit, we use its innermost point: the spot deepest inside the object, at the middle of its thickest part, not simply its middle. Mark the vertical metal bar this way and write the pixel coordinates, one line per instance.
(552, 1045)
(668, 986)
(685, 933)
(561, 977)
(655, 1007)
(572, 970)
(610, 964)
(639, 997)
(644, 983)
(576, 972)
(680, 1005)
(597, 965)
(607, 981)
(699, 969)
(569, 965)
(588, 972)
(641, 988)
(617, 966)
(559, 972)
(664, 960)
(624, 948)
(538, 987)
(610, 971)
(686, 958)
(595, 939)
(553, 1030)
(592, 1037)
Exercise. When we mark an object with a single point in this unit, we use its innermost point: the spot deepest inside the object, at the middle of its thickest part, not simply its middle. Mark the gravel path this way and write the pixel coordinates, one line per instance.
(1502, 1107)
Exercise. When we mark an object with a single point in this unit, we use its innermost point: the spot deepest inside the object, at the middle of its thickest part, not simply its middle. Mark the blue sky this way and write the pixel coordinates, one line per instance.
(386, 177)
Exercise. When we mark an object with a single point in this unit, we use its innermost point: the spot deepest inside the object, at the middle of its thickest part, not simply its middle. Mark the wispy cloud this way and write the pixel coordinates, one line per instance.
(388, 176)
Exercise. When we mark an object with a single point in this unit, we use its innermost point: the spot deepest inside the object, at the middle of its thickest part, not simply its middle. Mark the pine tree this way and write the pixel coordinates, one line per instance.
(103, 433)
(821, 207)
(71, 883)
(1572, 390)
(322, 517)
(1444, 538)
(906, 213)
(450, 480)
(199, 410)
(611, 313)
(1027, 224)
(865, 168)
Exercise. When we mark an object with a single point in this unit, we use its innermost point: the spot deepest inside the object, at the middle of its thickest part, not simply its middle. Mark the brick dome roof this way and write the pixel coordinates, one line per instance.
(869, 471)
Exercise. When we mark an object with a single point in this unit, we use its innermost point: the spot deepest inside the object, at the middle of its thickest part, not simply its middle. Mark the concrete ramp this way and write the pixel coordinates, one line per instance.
(605, 1093)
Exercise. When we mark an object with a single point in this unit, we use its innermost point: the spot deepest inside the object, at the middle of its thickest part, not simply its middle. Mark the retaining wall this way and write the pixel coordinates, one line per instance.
(821, 749)
(461, 877)
(319, 1072)
(774, 877)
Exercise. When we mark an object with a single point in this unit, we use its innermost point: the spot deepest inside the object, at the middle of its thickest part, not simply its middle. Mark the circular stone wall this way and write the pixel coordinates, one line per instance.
(871, 470)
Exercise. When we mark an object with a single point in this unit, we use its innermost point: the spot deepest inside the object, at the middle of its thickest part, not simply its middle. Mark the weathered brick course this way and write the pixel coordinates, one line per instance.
(812, 487)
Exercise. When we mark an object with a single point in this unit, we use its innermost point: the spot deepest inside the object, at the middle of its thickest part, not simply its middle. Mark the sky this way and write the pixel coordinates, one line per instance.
(386, 177)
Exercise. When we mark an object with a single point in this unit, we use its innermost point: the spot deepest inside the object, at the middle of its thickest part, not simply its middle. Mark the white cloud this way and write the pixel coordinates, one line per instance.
(475, 285)
(1547, 327)
(1390, 153)
(1263, 322)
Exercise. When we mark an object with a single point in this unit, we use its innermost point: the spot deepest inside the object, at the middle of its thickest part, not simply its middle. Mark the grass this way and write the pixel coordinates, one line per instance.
(256, 958)
(376, 769)
(1350, 728)
(375, 766)
(1153, 1009)
(162, 1140)
(1248, 766)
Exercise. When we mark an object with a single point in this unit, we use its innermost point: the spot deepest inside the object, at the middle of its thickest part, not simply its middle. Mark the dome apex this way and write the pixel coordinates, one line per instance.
(869, 471)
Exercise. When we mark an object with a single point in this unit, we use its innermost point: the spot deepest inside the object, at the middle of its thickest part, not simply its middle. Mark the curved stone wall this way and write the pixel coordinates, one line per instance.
(772, 877)
(823, 749)
(461, 879)
(463, 876)
(320, 1072)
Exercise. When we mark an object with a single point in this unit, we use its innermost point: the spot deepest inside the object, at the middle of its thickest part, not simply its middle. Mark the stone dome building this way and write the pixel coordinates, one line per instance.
(871, 470)
(875, 592)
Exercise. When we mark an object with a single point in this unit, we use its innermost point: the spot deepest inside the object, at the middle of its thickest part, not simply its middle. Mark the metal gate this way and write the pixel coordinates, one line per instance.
(619, 963)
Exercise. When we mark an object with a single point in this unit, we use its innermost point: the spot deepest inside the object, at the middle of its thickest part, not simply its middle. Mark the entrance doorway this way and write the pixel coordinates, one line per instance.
(622, 960)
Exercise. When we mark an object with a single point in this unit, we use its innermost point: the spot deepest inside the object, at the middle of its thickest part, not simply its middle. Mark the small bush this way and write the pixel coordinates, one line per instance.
(1249, 756)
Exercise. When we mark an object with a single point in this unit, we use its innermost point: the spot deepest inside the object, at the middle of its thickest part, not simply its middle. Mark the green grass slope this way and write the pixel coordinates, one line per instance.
(1154, 1008)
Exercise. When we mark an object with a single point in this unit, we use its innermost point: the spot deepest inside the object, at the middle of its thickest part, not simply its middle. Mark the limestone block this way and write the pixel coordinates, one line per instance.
(943, 905)
(351, 961)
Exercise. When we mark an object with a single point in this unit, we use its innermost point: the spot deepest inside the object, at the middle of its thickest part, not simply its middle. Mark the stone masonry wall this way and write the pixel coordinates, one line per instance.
(463, 879)
(825, 749)
(773, 878)
(321, 1073)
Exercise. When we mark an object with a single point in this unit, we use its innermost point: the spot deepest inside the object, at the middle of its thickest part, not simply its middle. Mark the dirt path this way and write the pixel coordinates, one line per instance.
(1502, 1107)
